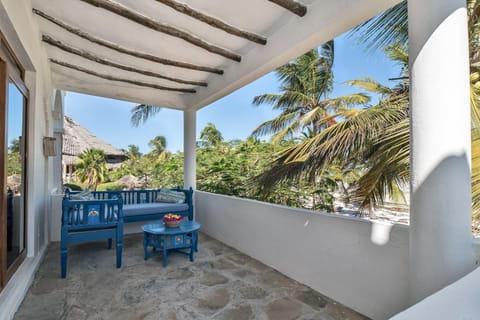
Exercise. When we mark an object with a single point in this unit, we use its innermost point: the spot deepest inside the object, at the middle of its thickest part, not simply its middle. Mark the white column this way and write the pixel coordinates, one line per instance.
(440, 236)
(57, 115)
(189, 144)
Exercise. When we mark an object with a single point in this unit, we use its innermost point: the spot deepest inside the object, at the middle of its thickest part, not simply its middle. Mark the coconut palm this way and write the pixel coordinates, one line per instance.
(210, 136)
(370, 140)
(391, 27)
(91, 167)
(304, 101)
(158, 145)
(132, 152)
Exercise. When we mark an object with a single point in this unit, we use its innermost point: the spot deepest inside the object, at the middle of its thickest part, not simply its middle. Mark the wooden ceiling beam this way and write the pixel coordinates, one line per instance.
(291, 5)
(115, 47)
(92, 57)
(162, 27)
(112, 78)
(214, 22)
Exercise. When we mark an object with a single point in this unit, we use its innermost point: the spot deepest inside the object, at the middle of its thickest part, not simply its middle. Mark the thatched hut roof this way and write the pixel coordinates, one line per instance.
(130, 181)
(77, 139)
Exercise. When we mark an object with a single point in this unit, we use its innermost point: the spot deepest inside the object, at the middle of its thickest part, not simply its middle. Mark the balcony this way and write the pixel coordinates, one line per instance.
(375, 269)
(288, 259)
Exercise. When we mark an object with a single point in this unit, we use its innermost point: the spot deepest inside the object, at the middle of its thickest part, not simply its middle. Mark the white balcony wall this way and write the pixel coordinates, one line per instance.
(458, 300)
(361, 264)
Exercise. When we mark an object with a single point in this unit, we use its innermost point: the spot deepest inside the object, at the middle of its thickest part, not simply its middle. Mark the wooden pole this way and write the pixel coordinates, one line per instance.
(113, 46)
(87, 55)
(112, 78)
(214, 22)
(162, 27)
(293, 6)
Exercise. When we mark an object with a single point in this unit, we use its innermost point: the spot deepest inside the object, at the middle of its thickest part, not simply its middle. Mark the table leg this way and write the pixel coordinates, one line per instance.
(146, 238)
(195, 237)
(192, 248)
(165, 257)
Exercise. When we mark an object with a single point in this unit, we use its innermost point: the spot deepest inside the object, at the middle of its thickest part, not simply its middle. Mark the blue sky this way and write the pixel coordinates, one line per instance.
(234, 115)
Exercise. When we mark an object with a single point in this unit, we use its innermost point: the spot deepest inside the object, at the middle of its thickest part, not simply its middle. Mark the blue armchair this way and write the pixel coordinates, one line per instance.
(89, 220)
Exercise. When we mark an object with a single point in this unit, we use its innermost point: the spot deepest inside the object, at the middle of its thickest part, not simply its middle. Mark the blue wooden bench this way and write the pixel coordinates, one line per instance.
(142, 205)
(89, 220)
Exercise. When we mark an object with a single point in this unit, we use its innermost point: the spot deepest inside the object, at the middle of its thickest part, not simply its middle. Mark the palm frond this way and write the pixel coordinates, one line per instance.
(273, 126)
(268, 98)
(476, 173)
(142, 112)
(286, 132)
(349, 137)
(350, 100)
(370, 85)
(339, 144)
(398, 52)
(388, 167)
(388, 28)
(475, 98)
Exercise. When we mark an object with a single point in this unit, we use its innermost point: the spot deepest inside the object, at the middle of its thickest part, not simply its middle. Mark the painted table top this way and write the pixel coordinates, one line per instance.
(161, 229)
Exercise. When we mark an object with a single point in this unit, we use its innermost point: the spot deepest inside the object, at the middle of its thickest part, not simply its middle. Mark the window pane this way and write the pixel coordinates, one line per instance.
(15, 174)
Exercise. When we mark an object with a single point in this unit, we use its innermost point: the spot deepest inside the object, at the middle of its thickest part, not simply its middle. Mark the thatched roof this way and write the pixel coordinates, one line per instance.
(77, 139)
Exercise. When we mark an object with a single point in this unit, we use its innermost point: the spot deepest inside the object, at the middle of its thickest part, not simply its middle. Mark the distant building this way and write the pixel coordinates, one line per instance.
(77, 139)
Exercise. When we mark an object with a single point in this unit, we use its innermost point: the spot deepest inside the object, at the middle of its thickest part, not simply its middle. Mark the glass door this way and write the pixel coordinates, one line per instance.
(15, 191)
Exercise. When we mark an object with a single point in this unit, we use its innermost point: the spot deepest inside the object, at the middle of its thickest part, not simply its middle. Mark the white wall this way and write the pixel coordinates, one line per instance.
(456, 301)
(23, 35)
(20, 29)
(356, 262)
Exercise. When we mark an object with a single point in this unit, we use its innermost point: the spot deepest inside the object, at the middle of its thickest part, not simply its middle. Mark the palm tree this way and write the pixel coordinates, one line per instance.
(210, 136)
(368, 140)
(304, 100)
(391, 27)
(91, 167)
(158, 145)
(377, 138)
(133, 152)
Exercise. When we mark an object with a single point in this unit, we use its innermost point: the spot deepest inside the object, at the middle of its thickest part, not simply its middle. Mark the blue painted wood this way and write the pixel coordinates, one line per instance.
(146, 196)
(158, 236)
(90, 220)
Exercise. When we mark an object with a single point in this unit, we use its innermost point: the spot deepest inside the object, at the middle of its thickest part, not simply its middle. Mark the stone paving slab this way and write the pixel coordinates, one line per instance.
(222, 284)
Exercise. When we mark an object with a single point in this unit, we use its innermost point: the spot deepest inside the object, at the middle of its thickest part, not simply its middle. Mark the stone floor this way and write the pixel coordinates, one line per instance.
(222, 283)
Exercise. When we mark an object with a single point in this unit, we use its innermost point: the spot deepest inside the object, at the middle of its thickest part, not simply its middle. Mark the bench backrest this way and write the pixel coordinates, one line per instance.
(141, 196)
(77, 213)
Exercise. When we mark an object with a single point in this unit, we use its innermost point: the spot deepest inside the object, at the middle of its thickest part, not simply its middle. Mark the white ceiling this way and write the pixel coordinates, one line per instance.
(287, 34)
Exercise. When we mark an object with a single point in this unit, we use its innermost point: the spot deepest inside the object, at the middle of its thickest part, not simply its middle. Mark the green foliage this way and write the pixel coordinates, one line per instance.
(91, 167)
(14, 163)
(158, 145)
(373, 141)
(73, 186)
(229, 168)
(210, 136)
(110, 186)
(304, 101)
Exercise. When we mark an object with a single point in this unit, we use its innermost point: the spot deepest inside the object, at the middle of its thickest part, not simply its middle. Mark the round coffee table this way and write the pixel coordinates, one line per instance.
(158, 236)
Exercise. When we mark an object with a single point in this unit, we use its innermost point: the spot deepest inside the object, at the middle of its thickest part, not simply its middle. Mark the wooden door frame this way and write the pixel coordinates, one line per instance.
(11, 71)
(3, 185)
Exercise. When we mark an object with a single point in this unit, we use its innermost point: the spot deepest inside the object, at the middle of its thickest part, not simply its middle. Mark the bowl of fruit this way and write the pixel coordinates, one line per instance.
(172, 220)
